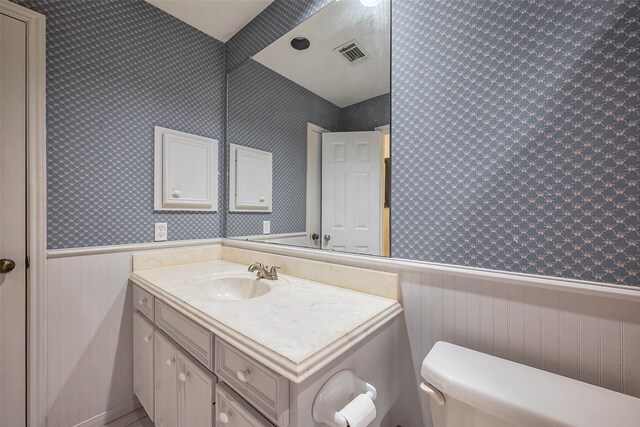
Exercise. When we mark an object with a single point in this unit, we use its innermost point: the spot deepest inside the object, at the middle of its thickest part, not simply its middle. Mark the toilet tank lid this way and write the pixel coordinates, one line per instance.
(524, 394)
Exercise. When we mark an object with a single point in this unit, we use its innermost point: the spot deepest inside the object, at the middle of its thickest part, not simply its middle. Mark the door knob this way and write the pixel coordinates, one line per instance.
(6, 265)
(327, 237)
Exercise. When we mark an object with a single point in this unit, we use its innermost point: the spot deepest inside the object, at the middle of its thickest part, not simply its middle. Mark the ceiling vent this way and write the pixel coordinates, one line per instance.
(353, 52)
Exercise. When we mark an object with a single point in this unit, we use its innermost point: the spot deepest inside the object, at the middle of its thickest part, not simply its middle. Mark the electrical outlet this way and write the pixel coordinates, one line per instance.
(266, 227)
(161, 231)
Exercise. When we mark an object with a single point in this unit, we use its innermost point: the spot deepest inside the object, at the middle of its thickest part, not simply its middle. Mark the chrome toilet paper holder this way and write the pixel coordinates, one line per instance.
(335, 394)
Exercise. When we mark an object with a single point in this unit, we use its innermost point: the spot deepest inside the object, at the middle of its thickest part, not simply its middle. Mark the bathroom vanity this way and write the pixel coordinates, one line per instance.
(214, 344)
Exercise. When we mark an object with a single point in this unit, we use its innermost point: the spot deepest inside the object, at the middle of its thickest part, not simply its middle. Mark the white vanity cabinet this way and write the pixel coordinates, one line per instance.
(174, 388)
(143, 362)
(186, 377)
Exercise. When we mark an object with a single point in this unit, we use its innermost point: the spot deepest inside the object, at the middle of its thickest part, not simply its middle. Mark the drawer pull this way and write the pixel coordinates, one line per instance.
(142, 301)
(243, 375)
(183, 376)
(169, 362)
(224, 417)
(147, 338)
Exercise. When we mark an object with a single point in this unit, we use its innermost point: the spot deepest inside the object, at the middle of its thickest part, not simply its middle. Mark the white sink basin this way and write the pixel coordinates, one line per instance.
(233, 287)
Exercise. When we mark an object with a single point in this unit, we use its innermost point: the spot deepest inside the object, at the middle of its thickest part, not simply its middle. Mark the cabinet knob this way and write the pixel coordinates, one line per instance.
(176, 194)
(183, 376)
(243, 375)
(142, 301)
(224, 417)
(262, 198)
(147, 338)
(169, 362)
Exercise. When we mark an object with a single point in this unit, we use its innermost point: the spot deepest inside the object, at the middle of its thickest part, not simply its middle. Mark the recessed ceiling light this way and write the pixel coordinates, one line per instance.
(300, 43)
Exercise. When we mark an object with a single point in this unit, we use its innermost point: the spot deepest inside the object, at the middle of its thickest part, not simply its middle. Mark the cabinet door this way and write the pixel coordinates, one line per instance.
(166, 383)
(186, 171)
(195, 395)
(250, 179)
(143, 362)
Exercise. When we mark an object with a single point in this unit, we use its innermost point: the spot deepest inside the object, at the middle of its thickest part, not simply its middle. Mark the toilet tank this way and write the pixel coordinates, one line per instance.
(470, 388)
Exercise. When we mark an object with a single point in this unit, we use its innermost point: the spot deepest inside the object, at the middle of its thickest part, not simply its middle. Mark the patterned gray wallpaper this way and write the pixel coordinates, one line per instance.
(515, 126)
(366, 115)
(114, 70)
(269, 112)
(515, 136)
(277, 19)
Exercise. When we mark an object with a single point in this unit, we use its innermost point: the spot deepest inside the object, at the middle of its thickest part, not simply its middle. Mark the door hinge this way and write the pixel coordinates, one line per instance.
(27, 263)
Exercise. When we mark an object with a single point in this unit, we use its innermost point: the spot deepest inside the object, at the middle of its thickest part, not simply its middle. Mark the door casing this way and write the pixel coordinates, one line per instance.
(314, 188)
(36, 209)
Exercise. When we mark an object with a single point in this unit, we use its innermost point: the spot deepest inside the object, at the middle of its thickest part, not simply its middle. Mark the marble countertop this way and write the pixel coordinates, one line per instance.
(295, 329)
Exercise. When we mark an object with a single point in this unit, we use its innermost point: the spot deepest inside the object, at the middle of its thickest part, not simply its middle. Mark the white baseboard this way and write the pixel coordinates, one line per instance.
(111, 415)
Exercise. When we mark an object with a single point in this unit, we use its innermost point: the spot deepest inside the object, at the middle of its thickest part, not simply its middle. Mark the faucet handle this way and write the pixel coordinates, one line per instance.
(273, 273)
(255, 265)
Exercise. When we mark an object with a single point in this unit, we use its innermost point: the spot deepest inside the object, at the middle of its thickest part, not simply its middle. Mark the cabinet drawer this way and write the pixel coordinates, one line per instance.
(259, 385)
(233, 411)
(143, 301)
(197, 340)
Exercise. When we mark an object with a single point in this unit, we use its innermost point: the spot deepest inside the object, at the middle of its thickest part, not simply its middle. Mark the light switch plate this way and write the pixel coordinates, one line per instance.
(161, 231)
(266, 227)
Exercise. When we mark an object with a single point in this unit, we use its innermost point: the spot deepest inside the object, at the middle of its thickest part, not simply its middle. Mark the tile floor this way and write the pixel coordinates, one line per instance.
(138, 418)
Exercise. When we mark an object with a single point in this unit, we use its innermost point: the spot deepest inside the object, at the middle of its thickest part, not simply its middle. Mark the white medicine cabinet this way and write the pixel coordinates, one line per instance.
(186, 171)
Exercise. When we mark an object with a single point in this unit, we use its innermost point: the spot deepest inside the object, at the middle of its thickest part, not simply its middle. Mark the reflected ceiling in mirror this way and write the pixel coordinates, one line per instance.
(318, 100)
(348, 58)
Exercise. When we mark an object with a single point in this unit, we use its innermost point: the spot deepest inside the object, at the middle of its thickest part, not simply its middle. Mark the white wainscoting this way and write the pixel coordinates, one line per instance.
(573, 328)
(89, 336)
(89, 339)
(595, 339)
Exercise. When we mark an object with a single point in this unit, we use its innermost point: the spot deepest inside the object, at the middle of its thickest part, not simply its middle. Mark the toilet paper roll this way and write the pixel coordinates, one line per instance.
(359, 412)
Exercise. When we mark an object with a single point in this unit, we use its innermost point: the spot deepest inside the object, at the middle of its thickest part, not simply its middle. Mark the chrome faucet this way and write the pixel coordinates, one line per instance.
(263, 271)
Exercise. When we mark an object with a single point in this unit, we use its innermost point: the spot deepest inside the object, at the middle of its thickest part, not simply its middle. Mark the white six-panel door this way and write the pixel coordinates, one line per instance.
(13, 221)
(352, 191)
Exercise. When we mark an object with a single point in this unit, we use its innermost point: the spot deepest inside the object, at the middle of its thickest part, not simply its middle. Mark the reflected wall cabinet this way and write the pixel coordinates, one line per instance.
(250, 179)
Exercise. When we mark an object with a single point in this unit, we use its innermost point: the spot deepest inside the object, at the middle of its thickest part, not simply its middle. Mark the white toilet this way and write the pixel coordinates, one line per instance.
(469, 388)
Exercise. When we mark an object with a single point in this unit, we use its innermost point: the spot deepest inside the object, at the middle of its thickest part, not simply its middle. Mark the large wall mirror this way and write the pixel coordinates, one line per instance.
(308, 128)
